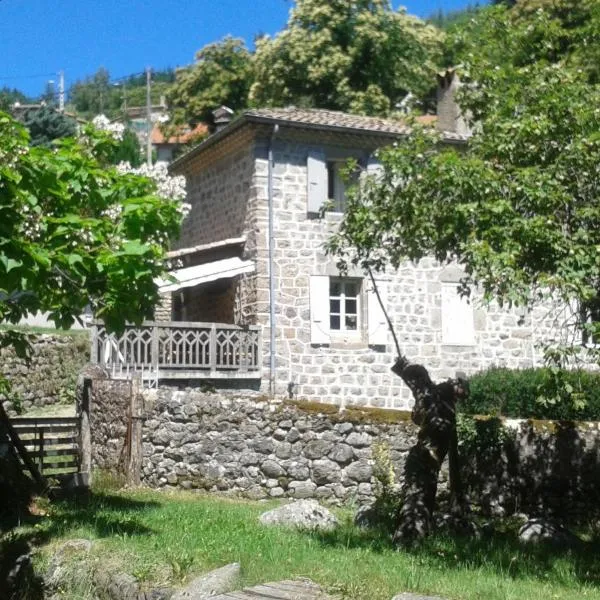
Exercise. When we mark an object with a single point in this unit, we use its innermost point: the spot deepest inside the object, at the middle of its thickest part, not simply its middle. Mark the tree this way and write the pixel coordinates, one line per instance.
(76, 232)
(221, 75)
(94, 95)
(9, 96)
(359, 56)
(128, 150)
(518, 208)
(46, 124)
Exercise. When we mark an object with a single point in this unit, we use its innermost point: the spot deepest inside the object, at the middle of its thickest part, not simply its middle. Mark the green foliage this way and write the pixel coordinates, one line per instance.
(75, 232)
(8, 97)
(359, 56)
(447, 20)
(128, 150)
(221, 75)
(46, 124)
(132, 531)
(517, 207)
(543, 393)
(96, 94)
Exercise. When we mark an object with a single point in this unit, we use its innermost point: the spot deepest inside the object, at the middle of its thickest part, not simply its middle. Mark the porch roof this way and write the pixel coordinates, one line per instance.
(205, 273)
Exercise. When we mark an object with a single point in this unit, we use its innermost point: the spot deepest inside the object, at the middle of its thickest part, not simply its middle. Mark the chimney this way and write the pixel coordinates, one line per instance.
(222, 117)
(449, 116)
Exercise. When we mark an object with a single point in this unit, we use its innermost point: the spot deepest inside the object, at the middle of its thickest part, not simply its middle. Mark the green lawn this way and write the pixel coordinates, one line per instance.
(167, 537)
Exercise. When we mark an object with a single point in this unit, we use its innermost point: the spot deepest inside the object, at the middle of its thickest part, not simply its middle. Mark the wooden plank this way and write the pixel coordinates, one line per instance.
(281, 590)
(61, 465)
(44, 421)
(24, 430)
(21, 450)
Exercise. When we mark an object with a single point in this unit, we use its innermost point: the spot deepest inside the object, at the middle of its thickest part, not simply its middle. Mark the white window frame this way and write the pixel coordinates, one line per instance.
(345, 282)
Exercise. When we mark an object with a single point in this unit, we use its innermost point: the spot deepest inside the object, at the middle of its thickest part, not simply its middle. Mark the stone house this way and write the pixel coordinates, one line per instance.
(251, 253)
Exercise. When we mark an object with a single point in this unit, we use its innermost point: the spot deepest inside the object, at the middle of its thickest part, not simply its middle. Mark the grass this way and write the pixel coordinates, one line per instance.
(166, 538)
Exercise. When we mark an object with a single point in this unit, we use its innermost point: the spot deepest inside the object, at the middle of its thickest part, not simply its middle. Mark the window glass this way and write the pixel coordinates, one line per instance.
(344, 305)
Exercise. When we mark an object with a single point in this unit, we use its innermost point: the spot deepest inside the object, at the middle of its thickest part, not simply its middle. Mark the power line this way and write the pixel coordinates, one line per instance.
(27, 76)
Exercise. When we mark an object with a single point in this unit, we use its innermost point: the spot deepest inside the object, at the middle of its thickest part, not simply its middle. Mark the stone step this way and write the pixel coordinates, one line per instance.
(279, 590)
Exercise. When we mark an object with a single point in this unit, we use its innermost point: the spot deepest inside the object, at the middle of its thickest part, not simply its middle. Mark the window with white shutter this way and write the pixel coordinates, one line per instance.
(377, 323)
(316, 167)
(458, 323)
(319, 309)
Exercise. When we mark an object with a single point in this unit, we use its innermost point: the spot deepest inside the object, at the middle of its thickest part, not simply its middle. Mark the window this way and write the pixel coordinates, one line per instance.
(458, 325)
(326, 185)
(344, 305)
(346, 309)
(336, 188)
(590, 318)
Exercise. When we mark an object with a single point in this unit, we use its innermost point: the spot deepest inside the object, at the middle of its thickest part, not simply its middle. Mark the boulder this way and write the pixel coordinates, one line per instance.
(304, 514)
(66, 551)
(536, 531)
(220, 581)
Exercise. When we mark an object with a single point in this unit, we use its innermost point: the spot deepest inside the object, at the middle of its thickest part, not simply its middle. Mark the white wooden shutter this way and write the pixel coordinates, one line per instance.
(377, 324)
(319, 309)
(458, 323)
(374, 167)
(317, 180)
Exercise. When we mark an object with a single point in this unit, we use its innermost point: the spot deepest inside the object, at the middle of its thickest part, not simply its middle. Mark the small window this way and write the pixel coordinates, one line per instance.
(344, 305)
(336, 185)
(590, 315)
(458, 324)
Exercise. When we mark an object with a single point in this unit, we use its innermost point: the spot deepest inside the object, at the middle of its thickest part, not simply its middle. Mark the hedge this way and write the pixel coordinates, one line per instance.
(534, 393)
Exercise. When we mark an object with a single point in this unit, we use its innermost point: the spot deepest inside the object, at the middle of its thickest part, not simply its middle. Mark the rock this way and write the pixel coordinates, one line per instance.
(117, 586)
(272, 469)
(55, 571)
(325, 471)
(317, 449)
(358, 440)
(537, 531)
(359, 471)
(304, 514)
(342, 453)
(220, 581)
(302, 489)
(367, 516)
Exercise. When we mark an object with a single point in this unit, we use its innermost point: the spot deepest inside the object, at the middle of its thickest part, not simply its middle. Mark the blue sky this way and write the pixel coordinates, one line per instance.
(40, 37)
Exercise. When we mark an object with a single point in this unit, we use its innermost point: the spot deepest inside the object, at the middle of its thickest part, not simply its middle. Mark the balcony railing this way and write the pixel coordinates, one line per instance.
(179, 350)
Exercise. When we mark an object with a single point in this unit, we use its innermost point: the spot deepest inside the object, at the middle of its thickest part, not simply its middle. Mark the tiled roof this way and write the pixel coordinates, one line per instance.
(183, 137)
(320, 118)
(316, 119)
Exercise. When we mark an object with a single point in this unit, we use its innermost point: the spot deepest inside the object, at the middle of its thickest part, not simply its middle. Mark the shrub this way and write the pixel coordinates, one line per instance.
(542, 393)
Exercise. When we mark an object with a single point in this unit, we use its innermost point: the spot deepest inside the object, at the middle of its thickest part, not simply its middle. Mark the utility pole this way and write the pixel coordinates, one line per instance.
(148, 119)
(61, 91)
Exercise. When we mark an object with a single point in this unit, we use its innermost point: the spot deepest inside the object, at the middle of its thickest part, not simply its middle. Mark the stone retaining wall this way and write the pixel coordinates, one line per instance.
(243, 444)
(50, 376)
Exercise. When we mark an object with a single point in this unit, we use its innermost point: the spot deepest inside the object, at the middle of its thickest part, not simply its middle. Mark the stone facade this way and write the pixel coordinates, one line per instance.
(228, 186)
(244, 444)
(50, 376)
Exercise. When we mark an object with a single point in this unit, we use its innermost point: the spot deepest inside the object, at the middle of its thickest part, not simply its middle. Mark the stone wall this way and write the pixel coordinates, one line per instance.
(240, 443)
(109, 423)
(244, 444)
(50, 376)
(350, 371)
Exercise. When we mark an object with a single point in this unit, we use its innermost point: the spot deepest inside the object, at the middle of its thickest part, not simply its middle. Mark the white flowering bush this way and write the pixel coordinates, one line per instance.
(102, 123)
(171, 187)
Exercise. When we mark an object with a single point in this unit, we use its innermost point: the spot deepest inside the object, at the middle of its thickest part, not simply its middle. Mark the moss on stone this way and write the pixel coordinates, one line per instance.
(376, 415)
(313, 407)
(353, 414)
